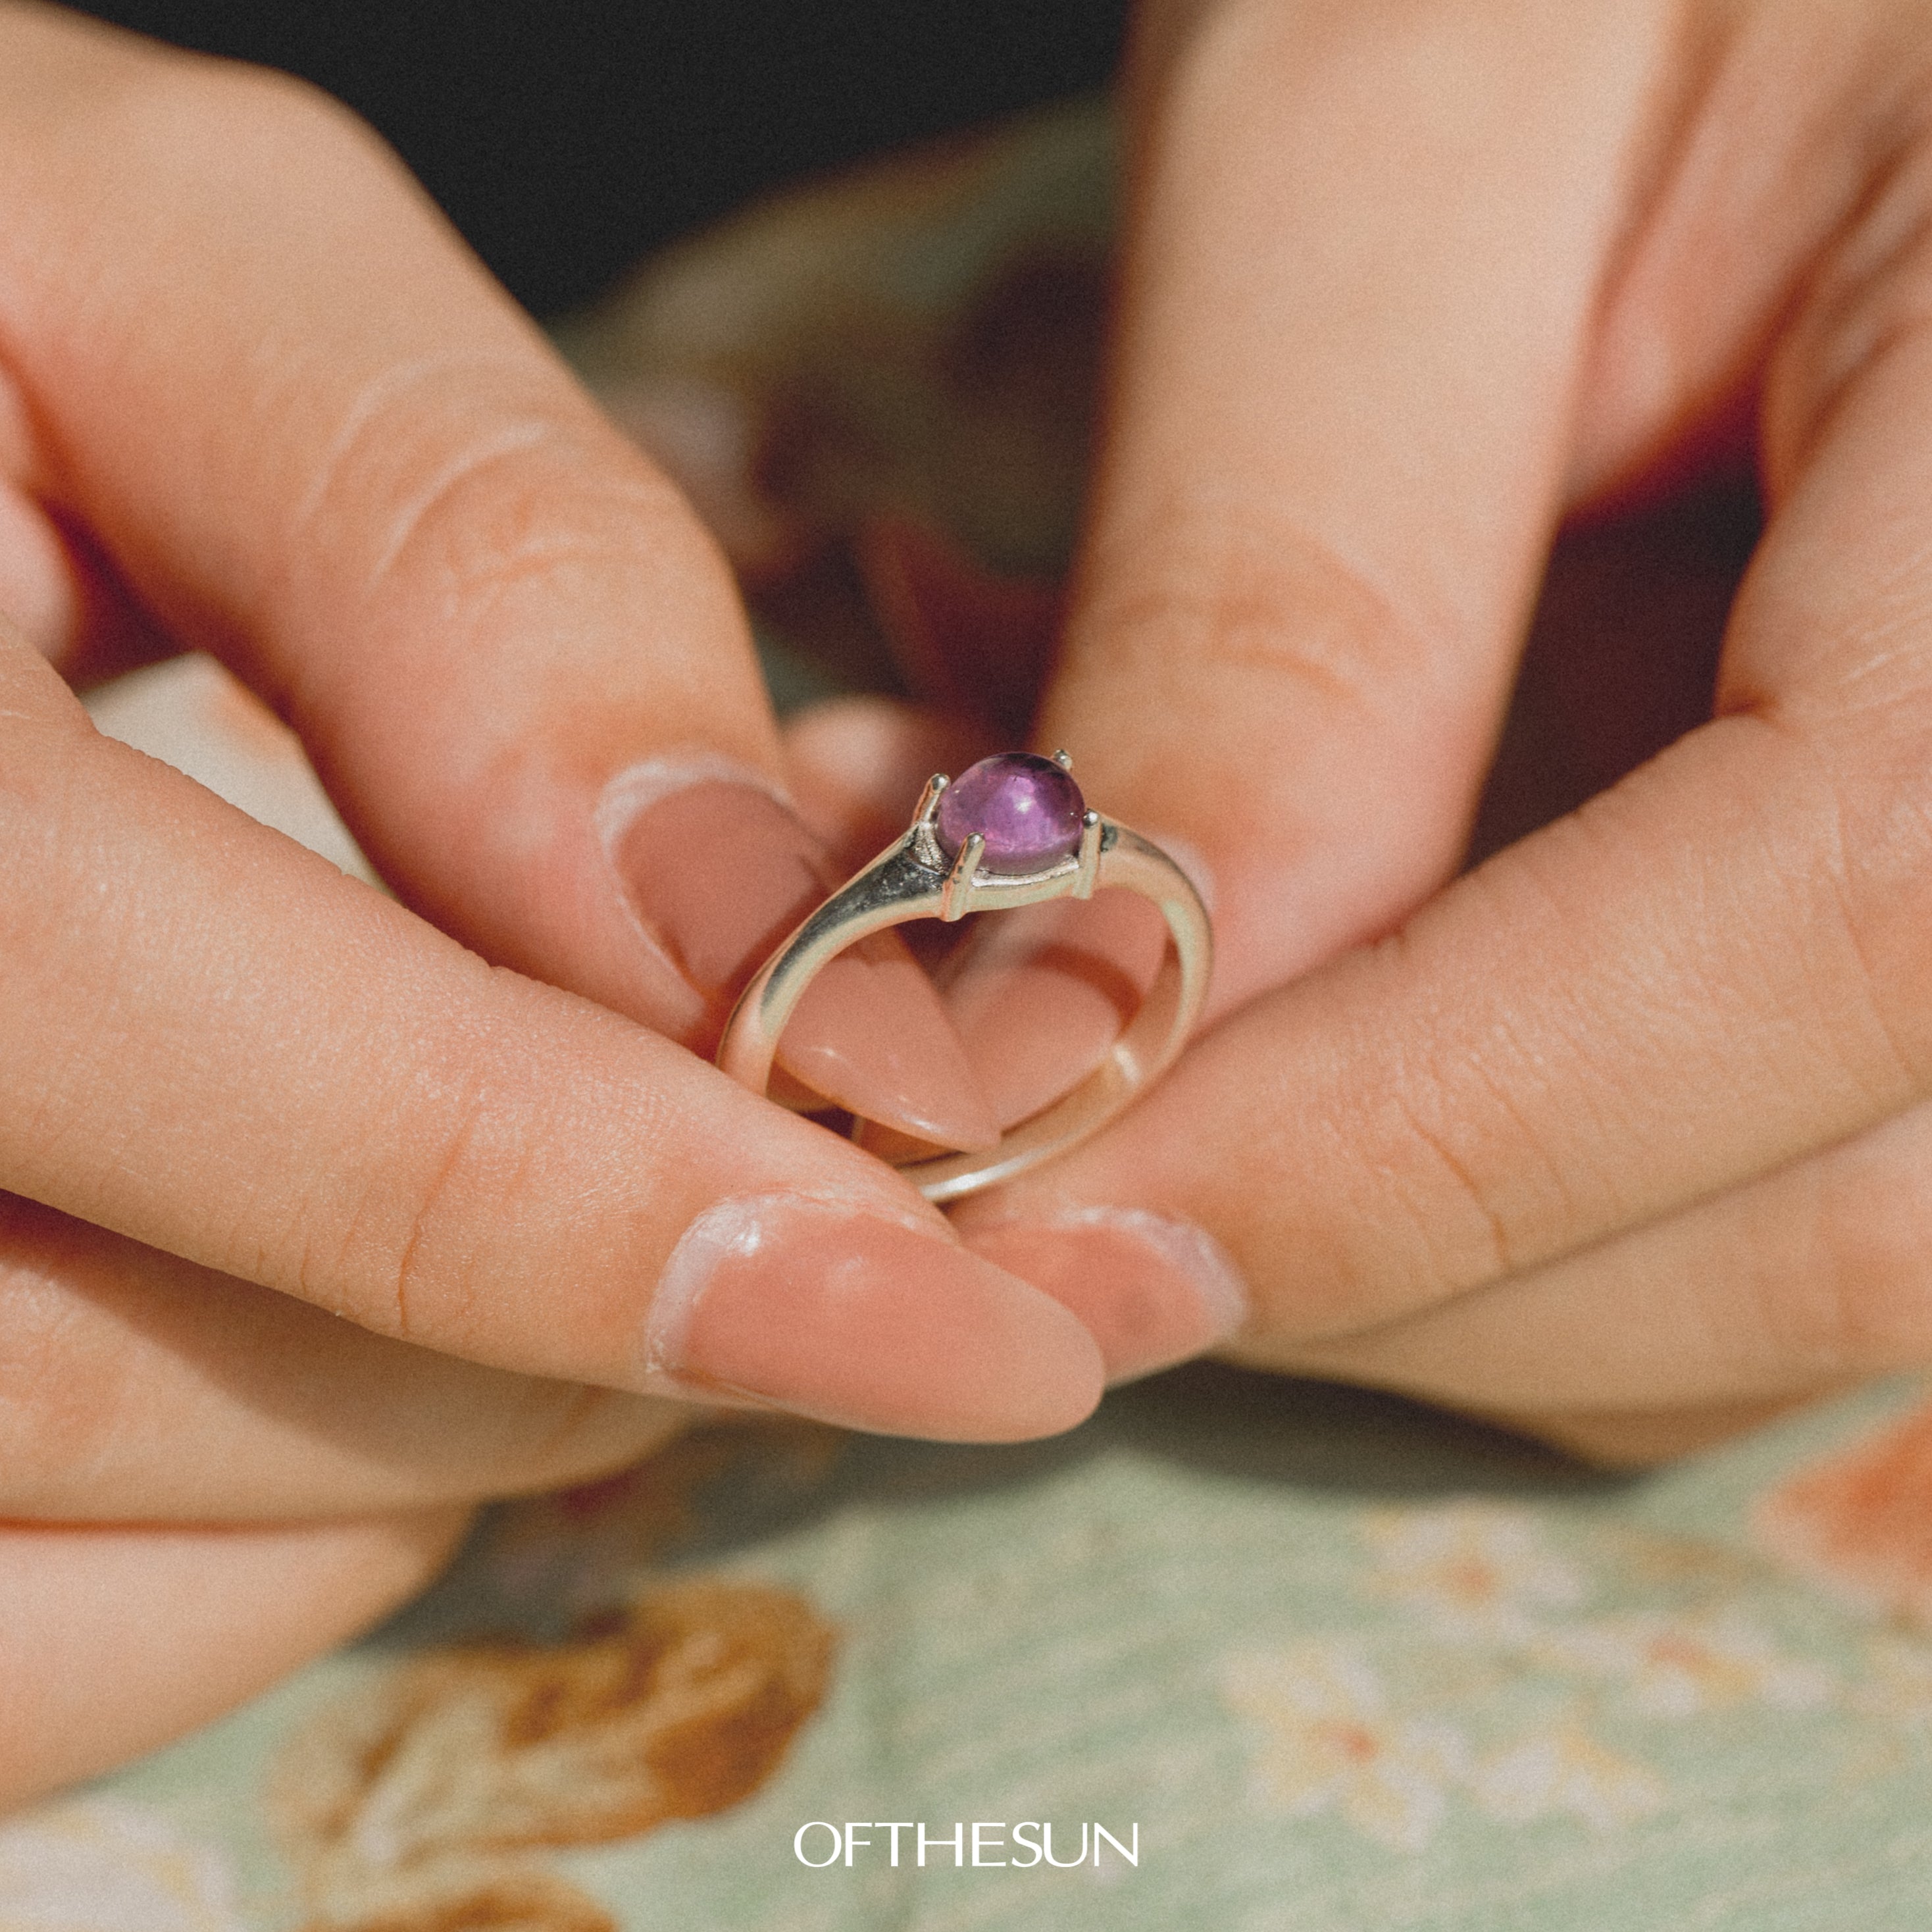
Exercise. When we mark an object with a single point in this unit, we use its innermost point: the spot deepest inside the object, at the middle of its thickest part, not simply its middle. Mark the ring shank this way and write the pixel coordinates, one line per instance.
(896, 888)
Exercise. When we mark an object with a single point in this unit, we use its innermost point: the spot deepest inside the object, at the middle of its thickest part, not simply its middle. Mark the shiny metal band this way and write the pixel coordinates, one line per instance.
(912, 879)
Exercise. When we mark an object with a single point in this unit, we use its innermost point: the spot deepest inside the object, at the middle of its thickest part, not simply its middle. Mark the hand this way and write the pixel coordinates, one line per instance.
(1624, 1136)
(254, 397)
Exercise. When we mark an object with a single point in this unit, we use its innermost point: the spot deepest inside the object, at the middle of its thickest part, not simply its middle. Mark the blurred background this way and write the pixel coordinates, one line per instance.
(566, 138)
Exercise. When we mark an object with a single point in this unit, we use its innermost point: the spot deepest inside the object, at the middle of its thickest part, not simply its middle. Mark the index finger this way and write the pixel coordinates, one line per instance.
(259, 371)
(214, 1043)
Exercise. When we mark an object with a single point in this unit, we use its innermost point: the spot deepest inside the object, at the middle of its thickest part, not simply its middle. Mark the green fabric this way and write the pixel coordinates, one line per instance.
(1349, 1667)
(1346, 1664)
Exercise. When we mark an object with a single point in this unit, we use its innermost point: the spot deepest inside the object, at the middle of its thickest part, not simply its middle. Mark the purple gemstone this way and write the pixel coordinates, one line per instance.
(1026, 808)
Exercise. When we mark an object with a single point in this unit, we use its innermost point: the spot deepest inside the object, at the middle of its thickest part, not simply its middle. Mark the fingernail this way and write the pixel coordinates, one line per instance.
(837, 1312)
(711, 862)
(717, 870)
(1041, 994)
(873, 1033)
(1151, 1291)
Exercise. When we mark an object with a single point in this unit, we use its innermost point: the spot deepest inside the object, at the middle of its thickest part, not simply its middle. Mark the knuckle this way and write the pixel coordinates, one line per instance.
(519, 499)
(1424, 1218)
(432, 1237)
(1439, 1175)
(458, 482)
(1463, 1238)
(471, 1168)
(447, 1185)
(1226, 586)
(1496, 1178)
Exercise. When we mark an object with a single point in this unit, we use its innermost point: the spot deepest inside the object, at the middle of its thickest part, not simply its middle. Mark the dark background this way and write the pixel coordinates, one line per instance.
(566, 137)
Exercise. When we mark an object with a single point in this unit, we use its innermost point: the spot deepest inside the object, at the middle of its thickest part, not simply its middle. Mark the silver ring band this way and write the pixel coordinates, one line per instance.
(913, 878)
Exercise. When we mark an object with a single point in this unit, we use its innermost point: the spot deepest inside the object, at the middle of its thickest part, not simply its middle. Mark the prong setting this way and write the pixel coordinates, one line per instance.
(922, 835)
(1063, 758)
(955, 896)
(1009, 835)
(929, 799)
(1089, 856)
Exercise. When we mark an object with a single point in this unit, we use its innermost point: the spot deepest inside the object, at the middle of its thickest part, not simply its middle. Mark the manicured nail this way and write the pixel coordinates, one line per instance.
(711, 862)
(718, 871)
(1151, 1291)
(838, 1311)
(1039, 996)
(872, 1032)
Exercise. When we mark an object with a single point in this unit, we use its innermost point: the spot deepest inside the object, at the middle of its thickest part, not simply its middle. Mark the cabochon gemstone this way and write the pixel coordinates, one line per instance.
(1027, 809)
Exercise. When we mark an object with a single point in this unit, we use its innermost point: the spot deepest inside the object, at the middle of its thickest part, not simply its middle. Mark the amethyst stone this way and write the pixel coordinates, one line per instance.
(1027, 809)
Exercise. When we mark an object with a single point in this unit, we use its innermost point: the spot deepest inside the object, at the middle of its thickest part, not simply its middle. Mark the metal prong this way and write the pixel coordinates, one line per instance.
(1090, 856)
(1064, 759)
(929, 799)
(955, 896)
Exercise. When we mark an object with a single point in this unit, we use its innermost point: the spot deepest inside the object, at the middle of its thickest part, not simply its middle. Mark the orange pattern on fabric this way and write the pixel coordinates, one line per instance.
(1860, 1522)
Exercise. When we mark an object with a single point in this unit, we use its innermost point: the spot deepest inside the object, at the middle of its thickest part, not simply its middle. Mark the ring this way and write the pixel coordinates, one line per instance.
(1014, 831)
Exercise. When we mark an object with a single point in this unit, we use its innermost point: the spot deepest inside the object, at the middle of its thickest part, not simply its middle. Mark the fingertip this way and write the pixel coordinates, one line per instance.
(873, 1035)
(1041, 994)
(1150, 1290)
(831, 1310)
(717, 869)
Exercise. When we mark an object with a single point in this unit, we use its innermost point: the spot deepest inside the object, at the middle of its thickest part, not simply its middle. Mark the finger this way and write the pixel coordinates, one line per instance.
(1038, 996)
(316, 1091)
(1712, 970)
(118, 1640)
(136, 1387)
(1663, 996)
(1811, 1278)
(1337, 443)
(315, 438)
(58, 591)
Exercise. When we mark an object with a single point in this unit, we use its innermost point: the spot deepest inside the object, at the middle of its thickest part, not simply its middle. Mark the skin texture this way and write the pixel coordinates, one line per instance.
(324, 1215)
(1624, 1135)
